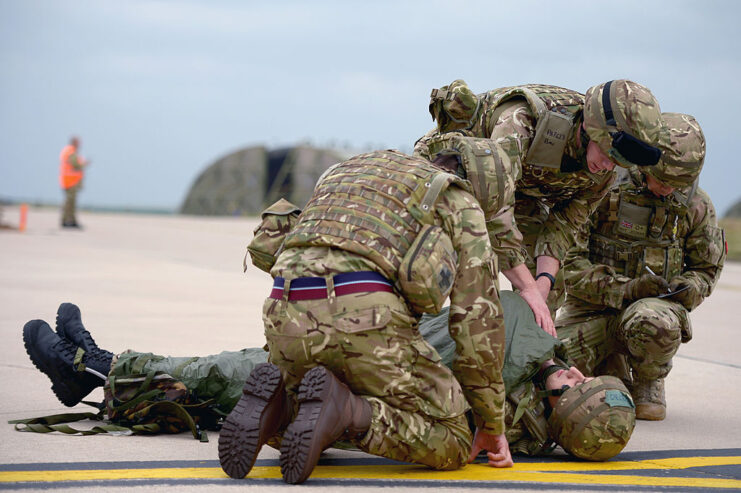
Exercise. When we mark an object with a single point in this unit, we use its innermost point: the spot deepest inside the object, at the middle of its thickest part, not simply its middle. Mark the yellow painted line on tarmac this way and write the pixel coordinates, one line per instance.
(549, 472)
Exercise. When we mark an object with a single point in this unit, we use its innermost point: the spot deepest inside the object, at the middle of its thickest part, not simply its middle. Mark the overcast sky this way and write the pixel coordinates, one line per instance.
(157, 90)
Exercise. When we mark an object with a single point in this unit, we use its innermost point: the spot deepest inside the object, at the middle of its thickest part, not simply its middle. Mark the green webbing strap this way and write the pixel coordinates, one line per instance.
(58, 422)
(146, 381)
(77, 363)
(140, 363)
(438, 182)
(589, 417)
(179, 369)
(521, 407)
(583, 397)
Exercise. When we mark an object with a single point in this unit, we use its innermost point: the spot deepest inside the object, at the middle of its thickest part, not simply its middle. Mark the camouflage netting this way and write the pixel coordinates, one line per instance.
(246, 181)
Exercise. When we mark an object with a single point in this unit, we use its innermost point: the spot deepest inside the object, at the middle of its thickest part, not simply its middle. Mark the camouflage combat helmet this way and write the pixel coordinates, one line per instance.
(454, 107)
(625, 120)
(594, 420)
(684, 155)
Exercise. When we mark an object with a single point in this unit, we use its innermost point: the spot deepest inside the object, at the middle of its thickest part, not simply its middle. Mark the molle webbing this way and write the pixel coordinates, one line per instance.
(556, 110)
(624, 248)
(563, 416)
(372, 205)
(531, 409)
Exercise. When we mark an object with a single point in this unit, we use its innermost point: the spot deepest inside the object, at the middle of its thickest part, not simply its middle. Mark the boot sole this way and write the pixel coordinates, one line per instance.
(650, 414)
(65, 395)
(66, 313)
(300, 448)
(247, 427)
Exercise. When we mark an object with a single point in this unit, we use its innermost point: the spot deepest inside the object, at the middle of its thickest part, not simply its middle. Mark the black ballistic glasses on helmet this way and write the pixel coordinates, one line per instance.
(629, 147)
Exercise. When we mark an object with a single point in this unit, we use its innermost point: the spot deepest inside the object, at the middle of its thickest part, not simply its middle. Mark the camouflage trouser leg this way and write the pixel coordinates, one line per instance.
(70, 205)
(220, 376)
(651, 331)
(371, 342)
(530, 216)
(587, 335)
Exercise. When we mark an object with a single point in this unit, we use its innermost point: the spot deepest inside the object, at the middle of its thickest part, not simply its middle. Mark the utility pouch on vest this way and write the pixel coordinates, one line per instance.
(674, 262)
(633, 220)
(427, 271)
(277, 221)
(654, 257)
(549, 143)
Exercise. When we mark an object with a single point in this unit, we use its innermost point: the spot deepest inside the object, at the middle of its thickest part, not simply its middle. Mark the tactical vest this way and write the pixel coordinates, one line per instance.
(634, 230)
(373, 205)
(481, 164)
(556, 110)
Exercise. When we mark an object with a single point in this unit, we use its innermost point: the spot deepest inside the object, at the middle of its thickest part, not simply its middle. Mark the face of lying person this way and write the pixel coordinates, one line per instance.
(571, 377)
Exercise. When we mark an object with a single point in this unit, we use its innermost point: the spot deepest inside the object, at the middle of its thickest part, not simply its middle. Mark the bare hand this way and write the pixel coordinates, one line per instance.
(496, 446)
(537, 304)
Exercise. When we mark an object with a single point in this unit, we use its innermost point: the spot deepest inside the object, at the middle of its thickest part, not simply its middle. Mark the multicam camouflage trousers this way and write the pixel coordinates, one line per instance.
(647, 334)
(371, 342)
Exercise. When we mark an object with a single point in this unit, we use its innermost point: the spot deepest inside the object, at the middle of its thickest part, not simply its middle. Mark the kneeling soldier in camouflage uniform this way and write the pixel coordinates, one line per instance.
(384, 238)
(557, 170)
(654, 233)
(534, 375)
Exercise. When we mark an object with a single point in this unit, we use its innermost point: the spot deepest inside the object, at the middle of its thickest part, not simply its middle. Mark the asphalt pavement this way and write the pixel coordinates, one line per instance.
(174, 285)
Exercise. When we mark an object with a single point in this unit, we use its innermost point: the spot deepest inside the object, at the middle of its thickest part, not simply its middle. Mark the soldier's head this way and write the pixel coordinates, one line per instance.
(682, 157)
(623, 122)
(592, 419)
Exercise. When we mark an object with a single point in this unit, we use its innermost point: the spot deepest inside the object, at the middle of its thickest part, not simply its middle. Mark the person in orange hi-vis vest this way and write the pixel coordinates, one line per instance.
(70, 178)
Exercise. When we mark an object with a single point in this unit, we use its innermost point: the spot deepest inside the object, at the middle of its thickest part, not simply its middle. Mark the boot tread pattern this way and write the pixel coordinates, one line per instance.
(239, 439)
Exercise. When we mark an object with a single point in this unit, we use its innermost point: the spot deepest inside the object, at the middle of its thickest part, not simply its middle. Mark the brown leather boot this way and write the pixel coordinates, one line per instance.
(327, 411)
(261, 412)
(650, 399)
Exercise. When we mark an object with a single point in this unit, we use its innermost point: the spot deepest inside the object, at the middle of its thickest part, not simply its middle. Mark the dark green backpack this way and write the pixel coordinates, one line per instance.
(148, 403)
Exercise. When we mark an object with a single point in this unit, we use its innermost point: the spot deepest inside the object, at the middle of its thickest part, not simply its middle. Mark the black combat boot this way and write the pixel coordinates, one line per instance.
(69, 326)
(73, 372)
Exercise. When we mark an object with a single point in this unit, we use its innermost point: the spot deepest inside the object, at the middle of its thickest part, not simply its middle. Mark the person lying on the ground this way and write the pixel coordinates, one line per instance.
(541, 388)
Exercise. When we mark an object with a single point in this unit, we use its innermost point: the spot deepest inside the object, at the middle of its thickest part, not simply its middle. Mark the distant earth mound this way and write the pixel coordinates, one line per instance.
(245, 182)
(734, 211)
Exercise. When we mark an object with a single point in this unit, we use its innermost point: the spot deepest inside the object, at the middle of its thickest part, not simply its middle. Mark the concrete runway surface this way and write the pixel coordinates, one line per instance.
(174, 285)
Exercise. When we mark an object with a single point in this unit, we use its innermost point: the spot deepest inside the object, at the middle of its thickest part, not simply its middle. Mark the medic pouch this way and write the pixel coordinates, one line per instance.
(277, 221)
(147, 404)
(427, 271)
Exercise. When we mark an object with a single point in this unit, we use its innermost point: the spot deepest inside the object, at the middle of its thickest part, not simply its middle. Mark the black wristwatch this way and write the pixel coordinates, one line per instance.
(549, 276)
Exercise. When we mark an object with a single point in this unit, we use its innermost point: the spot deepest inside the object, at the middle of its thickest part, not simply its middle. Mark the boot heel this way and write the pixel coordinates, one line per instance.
(313, 385)
(263, 382)
(258, 415)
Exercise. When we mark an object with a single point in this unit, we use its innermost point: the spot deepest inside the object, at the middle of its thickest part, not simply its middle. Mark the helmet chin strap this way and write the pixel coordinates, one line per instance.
(540, 379)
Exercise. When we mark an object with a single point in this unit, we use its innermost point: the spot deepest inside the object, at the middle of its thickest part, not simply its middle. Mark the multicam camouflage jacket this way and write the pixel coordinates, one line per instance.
(536, 125)
(632, 230)
(353, 204)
